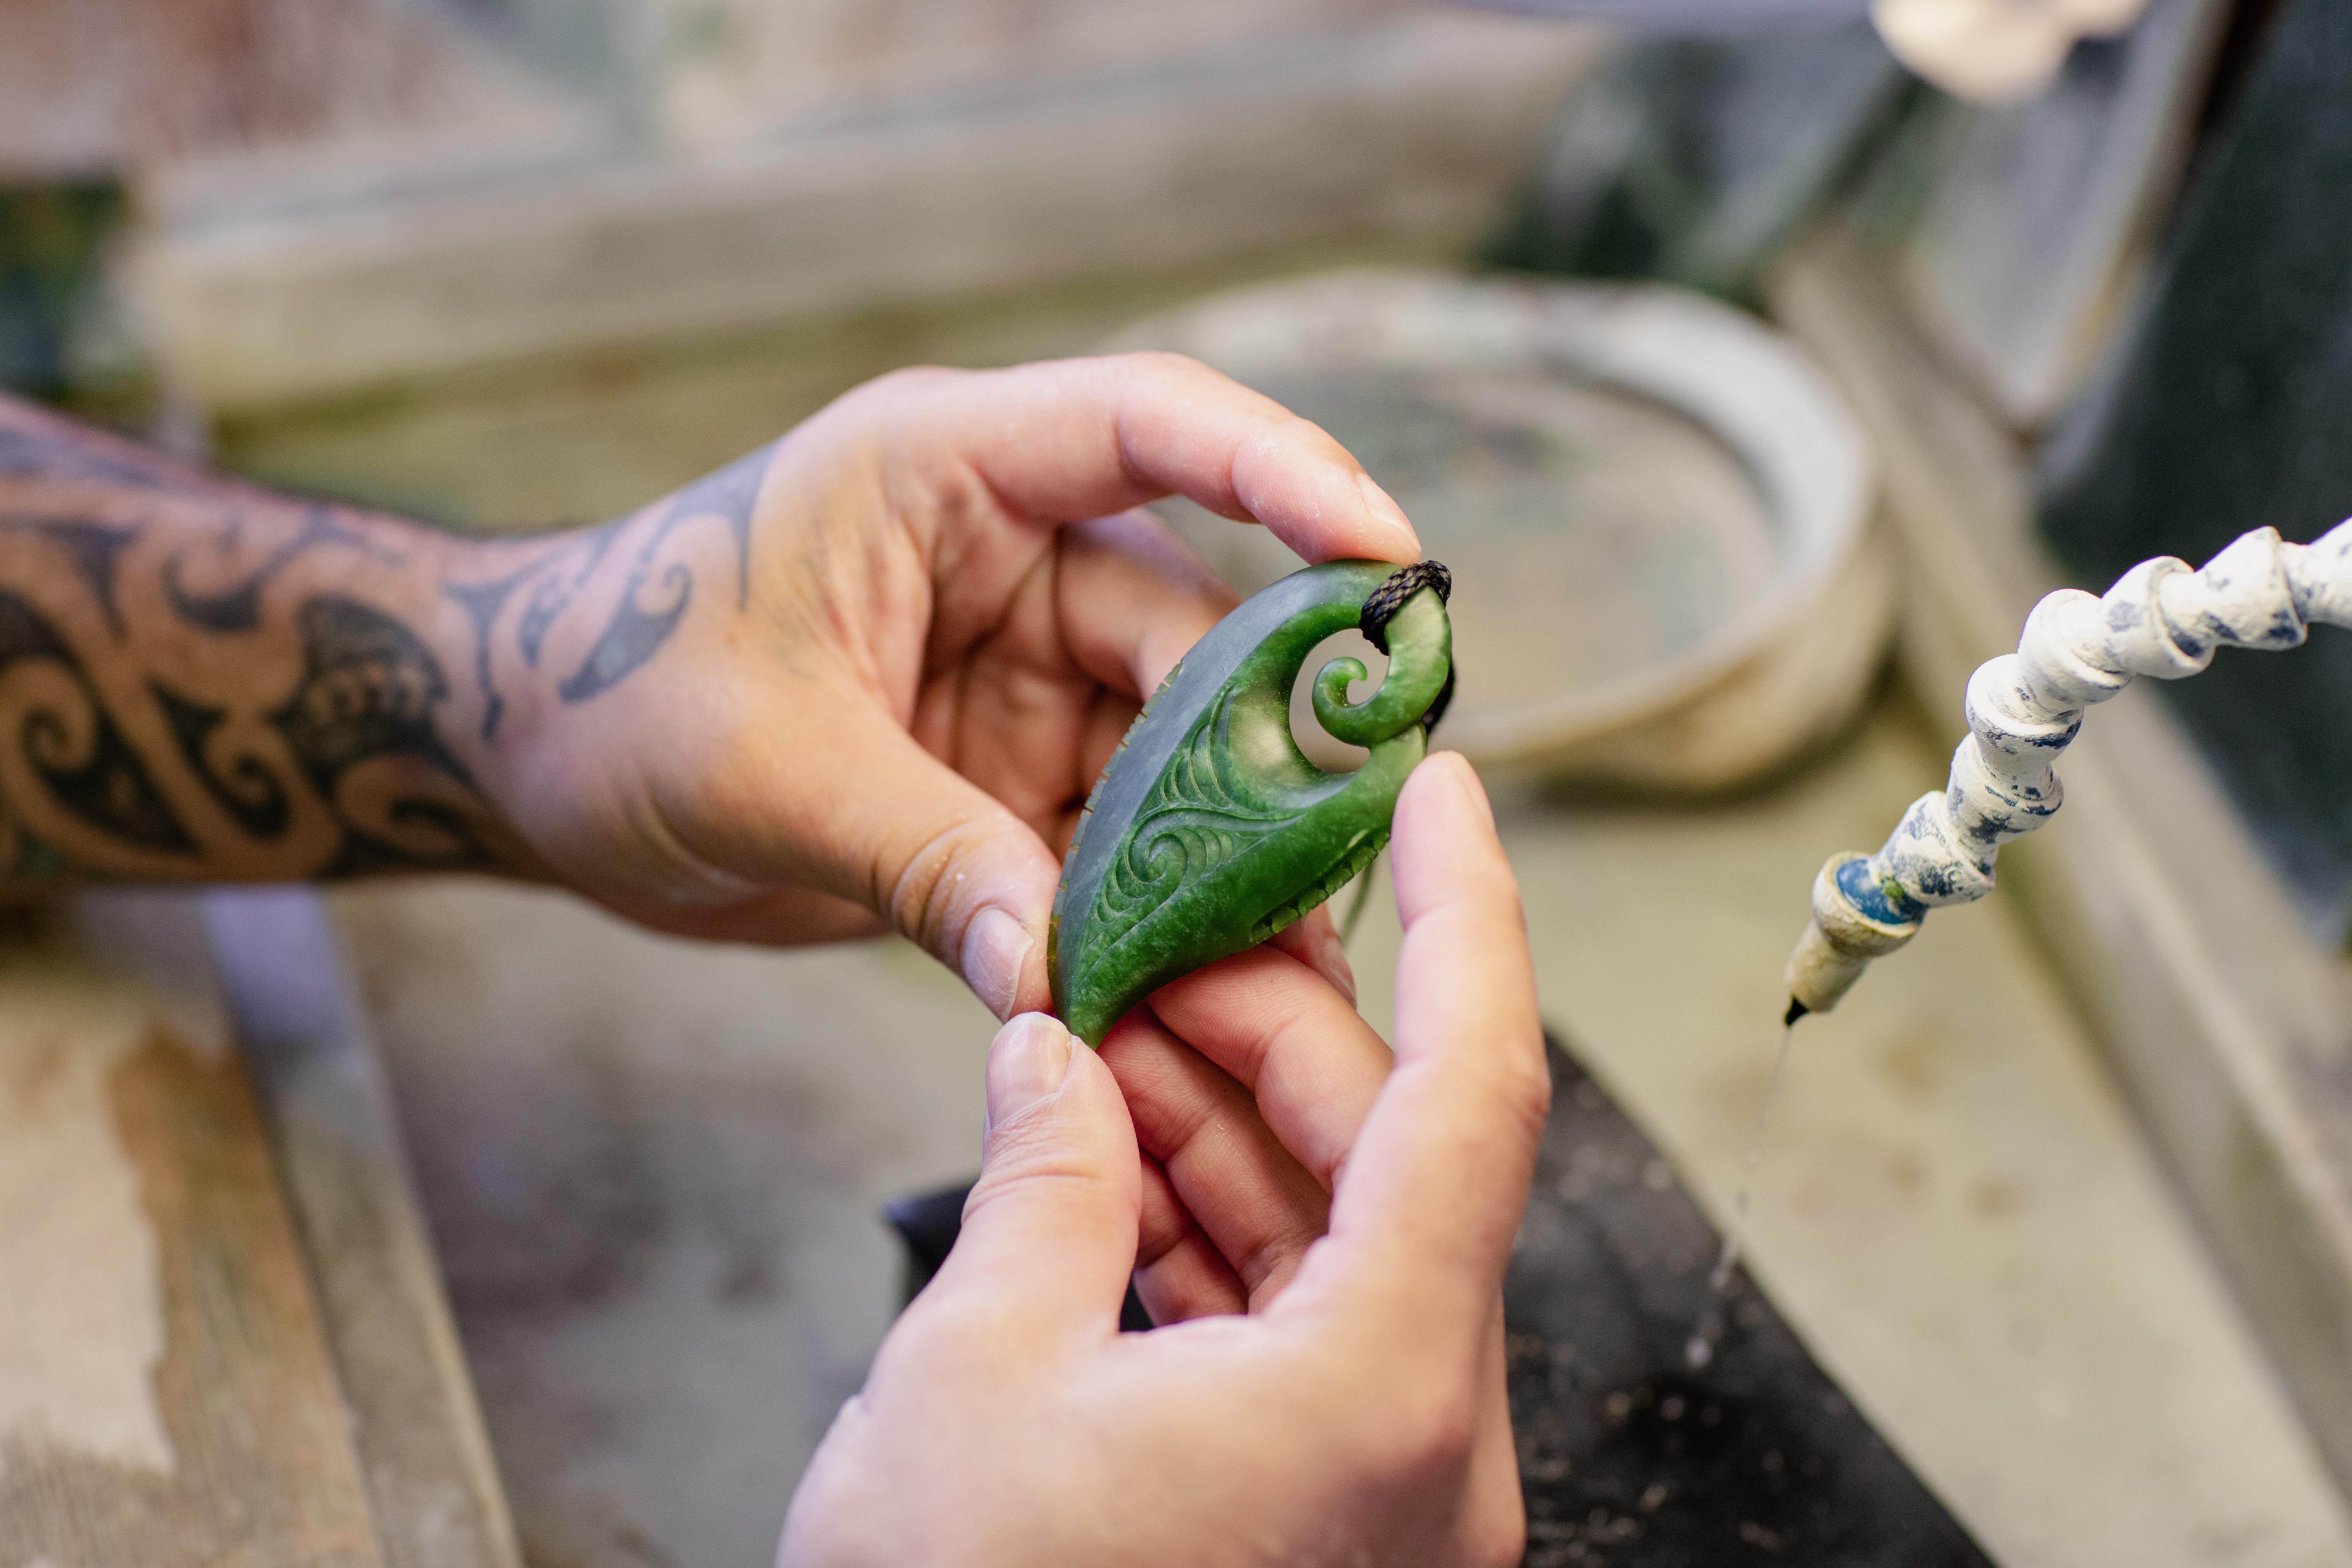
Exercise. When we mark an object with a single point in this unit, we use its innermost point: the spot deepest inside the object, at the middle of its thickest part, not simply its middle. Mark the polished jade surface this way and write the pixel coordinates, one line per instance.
(1211, 830)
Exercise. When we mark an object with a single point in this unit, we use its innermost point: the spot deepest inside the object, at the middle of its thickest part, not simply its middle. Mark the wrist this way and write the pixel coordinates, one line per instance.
(571, 658)
(489, 620)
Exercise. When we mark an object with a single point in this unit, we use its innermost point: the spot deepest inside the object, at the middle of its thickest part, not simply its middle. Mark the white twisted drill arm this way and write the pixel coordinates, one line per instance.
(2159, 619)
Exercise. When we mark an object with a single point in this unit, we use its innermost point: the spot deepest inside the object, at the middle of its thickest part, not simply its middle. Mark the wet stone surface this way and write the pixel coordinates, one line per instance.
(1631, 1457)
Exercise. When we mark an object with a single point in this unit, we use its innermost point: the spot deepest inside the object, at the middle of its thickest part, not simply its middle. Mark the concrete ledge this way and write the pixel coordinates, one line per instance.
(1415, 125)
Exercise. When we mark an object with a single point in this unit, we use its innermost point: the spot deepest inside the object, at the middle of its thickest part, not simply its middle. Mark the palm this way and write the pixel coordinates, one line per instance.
(1028, 708)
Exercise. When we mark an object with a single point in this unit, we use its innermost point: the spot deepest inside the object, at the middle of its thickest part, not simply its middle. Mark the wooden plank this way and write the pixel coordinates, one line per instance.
(259, 1365)
(166, 1393)
(731, 69)
(427, 1456)
(1418, 125)
(2230, 1029)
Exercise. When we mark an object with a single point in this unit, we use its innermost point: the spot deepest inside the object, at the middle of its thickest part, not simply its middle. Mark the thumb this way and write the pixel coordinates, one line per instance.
(942, 859)
(1050, 1227)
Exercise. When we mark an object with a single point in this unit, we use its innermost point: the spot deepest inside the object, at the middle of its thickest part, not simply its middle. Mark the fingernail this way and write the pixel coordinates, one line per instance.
(995, 950)
(1382, 509)
(1331, 958)
(1026, 1065)
(1466, 782)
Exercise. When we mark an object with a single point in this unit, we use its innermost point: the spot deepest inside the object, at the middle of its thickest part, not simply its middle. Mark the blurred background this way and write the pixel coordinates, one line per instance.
(1756, 364)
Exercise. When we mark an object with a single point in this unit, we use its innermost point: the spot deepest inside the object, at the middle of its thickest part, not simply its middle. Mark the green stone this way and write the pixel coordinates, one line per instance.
(1211, 830)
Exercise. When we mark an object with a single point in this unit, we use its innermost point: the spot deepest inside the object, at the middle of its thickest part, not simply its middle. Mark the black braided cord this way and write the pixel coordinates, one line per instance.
(1386, 600)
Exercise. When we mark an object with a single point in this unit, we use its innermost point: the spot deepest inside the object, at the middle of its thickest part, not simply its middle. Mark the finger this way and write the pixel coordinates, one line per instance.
(1257, 1205)
(1132, 599)
(1050, 1227)
(1310, 1063)
(888, 825)
(1072, 439)
(1179, 1272)
(1314, 941)
(1424, 1216)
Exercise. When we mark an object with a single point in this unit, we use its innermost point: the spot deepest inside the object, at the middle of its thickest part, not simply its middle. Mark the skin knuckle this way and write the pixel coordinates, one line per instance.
(920, 895)
(1026, 1154)
(1449, 1423)
(958, 1333)
(1496, 1537)
(1424, 1433)
(1509, 907)
(911, 379)
(1163, 365)
(1527, 1086)
(830, 1519)
(1305, 431)
(879, 401)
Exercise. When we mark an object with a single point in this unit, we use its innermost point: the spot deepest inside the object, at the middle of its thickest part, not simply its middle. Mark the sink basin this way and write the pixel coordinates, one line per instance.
(1655, 509)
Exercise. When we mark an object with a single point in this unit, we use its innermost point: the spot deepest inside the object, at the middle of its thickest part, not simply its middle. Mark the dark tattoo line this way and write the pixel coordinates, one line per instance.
(732, 493)
(551, 594)
(237, 608)
(481, 602)
(635, 631)
(360, 726)
(635, 634)
(92, 549)
(53, 455)
(35, 861)
(251, 793)
(110, 788)
(370, 688)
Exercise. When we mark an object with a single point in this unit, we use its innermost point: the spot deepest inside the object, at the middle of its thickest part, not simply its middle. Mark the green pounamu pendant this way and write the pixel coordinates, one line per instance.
(1211, 830)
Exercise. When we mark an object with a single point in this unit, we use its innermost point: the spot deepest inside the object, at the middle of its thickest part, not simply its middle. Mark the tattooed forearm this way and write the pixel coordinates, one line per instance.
(235, 606)
(200, 680)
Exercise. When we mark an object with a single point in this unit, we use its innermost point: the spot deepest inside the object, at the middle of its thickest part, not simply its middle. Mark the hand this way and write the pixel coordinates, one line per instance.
(1355, 1413)
(870, 674)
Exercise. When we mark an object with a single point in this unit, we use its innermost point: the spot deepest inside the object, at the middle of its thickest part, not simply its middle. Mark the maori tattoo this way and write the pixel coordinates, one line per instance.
(369, 694)
(200, 680)
(33, 453)
(73, 746)
(91, 549)
(237, 607)
(655, 589)
(245, 788)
